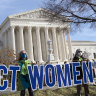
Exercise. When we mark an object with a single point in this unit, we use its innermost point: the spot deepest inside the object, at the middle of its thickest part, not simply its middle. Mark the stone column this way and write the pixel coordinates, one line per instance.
(46, 38)
(11, 43)
(69, 43)
(65, 45)
(5, 47)
(12, 38)
(21, 38)
(30, 44)
(55, 47)
(8, 38)
(62, 44)
(5, 39)
(39, 50)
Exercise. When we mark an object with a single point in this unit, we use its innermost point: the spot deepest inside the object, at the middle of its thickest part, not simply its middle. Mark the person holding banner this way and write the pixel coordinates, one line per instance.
(79, 57)
(24, 77)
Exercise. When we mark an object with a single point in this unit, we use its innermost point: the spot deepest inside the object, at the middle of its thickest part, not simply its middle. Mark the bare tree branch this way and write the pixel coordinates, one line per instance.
(85, 2)
(78, 11)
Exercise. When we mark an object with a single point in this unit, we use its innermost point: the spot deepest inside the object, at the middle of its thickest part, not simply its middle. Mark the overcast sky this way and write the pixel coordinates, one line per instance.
(9, 7)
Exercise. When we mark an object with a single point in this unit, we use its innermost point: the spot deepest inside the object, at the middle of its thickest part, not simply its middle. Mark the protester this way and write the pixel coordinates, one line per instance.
(24, 78)
(79, 58)
(93, 62)
(95, 67)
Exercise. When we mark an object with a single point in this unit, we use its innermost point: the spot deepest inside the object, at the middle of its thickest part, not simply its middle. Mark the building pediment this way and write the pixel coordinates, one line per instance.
(40, 16)
(35, 14)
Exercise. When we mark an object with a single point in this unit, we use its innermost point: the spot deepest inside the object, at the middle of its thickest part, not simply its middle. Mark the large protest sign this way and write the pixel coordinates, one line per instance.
(37, 74)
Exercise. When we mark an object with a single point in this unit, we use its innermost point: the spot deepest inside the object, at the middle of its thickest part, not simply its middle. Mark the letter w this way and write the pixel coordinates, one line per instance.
(35, 75)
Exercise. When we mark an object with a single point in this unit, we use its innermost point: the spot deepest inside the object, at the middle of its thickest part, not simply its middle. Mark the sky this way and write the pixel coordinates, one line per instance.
(9, 7)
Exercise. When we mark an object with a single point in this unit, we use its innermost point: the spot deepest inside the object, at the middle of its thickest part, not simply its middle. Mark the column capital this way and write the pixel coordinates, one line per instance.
(61, 30)
(46, 27)
(38, 27)
(21, 27)
(7, 29)
(11, 27)
(54, 29)
(68, 29)
(29, 27)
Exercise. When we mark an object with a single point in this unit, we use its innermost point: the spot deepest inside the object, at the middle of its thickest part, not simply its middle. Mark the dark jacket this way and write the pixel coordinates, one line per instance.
(77, 59)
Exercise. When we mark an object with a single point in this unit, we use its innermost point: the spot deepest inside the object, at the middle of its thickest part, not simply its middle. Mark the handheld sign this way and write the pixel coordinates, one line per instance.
(37, 74)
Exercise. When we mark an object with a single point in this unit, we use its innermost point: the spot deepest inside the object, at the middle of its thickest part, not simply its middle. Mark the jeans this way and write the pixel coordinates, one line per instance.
(29, 90)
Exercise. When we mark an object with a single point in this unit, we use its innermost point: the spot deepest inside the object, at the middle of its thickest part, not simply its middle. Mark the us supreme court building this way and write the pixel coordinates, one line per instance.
(42, 40)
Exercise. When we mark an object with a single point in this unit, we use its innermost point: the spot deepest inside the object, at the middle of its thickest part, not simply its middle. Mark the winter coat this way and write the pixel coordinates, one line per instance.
(79, 59)
(23, 77)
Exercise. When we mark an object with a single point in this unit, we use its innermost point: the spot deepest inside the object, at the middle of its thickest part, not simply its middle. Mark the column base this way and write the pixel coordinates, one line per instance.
(41, 61)
(57, 60)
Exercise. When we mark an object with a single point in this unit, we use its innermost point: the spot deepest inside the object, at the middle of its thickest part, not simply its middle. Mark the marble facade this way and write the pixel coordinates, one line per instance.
(31, 31)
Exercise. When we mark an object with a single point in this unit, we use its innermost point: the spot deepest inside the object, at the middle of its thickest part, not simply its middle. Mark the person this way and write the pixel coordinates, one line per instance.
(79, 58)
(24, 77)
(93, 62)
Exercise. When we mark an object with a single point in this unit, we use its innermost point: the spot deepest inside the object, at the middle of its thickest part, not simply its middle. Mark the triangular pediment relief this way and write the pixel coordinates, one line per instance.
(34, 14)
(37, 14)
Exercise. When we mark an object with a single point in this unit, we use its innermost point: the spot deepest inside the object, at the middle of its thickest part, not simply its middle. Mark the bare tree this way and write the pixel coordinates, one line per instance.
(78, 11)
